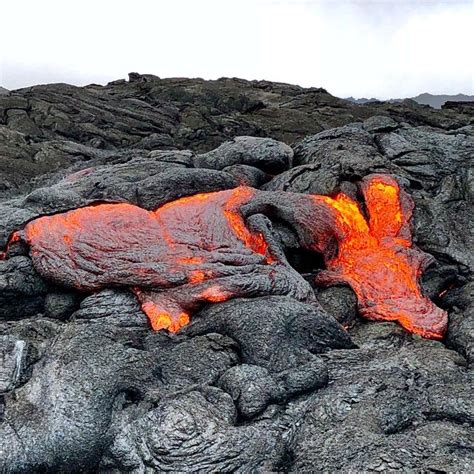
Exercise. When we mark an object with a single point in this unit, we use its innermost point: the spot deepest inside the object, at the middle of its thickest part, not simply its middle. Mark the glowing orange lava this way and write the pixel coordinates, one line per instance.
(161, 319)
(114, 244)
(375, 258)
(215, 294)
(14, 238)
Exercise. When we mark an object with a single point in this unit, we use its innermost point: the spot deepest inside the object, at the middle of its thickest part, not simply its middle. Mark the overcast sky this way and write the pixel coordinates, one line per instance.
(376, 48)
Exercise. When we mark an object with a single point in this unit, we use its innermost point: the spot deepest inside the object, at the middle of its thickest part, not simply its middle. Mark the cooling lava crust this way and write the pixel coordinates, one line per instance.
(216, 246)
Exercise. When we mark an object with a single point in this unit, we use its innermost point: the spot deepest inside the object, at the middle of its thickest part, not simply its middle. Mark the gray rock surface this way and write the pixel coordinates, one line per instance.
(395, 404)
(264, 153)
(12, 357)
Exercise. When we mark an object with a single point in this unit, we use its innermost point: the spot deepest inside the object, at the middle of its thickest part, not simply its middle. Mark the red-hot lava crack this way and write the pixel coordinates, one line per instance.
(215, 246)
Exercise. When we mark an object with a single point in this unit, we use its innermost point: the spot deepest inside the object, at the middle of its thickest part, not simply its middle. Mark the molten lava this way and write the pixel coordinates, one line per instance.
(14, 238)
(185, 242)
(212, 247)
(376, 258)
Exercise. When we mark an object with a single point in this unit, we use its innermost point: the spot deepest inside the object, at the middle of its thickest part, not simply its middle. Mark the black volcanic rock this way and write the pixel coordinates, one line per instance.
(207, 424)
(263, 153)
(462, 106)
(21, 288)
(47, 128)
(253, 384)
(395, 404)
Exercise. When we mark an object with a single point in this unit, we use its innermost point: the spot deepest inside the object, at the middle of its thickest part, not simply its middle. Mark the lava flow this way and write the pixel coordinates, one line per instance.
(376, 258)
(212, 247)
(188, 243)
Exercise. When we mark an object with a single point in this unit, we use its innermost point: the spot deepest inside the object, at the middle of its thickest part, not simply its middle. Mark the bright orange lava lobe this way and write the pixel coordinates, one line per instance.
(215, 294)
(196, 276)
(374, 257)
(161, 319)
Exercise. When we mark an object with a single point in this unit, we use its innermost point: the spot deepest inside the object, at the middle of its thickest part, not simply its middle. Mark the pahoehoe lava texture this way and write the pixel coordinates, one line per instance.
(267, 380)
(201, 249)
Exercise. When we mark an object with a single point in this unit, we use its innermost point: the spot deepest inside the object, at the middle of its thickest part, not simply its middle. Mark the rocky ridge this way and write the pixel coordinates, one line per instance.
(52, 127)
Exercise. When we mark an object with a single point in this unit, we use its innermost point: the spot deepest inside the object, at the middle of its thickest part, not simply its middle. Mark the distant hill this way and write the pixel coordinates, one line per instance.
(362, 100)
(3, 90)
(435, 101)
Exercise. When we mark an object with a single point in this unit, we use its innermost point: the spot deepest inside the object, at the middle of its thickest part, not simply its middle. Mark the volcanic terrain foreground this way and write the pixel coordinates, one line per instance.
(363, 211)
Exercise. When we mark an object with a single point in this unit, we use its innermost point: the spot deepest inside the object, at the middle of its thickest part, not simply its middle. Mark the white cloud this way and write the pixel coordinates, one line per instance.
(362, 48)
